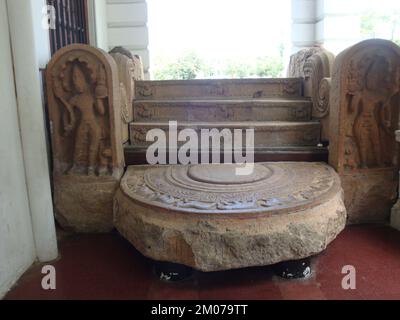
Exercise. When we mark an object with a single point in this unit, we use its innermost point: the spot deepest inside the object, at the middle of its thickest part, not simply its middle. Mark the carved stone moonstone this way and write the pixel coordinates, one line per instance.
(209, 218)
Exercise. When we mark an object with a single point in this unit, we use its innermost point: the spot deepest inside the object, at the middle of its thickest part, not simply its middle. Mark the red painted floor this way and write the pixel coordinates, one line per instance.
(108, 267)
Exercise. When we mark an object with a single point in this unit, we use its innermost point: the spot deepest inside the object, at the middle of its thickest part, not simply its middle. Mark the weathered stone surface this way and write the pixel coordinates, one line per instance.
(266, 134)
(137, 155)
(223, 110)
(138, 70)
(206, 217)
(364, 113)
(369, 196)
(130, 69)
(395, 216)
(85, 121)
(395, 212)
(85, 203)
(298, 60)
(240, 88)
(315, 64)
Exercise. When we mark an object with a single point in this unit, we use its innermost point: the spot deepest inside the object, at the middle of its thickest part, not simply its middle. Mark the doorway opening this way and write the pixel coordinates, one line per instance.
(207, 39)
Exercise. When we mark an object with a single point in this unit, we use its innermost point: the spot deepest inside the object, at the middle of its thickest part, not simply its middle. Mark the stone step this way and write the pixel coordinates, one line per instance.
(266, 133)
(273, 109)
(219, 88)
(137, 155)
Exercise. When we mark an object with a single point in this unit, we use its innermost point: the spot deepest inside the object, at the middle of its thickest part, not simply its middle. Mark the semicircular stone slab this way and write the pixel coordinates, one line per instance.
(208, 217)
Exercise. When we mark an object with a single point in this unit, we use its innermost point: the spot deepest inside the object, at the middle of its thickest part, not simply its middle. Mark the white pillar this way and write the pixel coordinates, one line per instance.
(17, 249)
(127, 27)
(338, 24)
(303, 24)
(334, 24)
(30, 110)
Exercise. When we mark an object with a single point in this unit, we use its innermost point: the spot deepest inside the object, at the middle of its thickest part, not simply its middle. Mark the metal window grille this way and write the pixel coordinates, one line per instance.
(71, 23)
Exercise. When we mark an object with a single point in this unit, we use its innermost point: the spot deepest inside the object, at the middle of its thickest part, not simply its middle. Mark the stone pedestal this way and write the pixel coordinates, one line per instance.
(209, 218)
(369, 196)
(84, 203)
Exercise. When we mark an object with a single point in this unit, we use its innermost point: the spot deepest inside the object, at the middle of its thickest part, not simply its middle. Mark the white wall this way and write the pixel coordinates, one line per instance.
(335, 24)
(27, 229)
(29, 88)
(17, 250)
(303, 24)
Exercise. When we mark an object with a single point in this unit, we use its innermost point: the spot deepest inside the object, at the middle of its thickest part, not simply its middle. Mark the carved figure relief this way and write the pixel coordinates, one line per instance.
(81, 117)
(297, 61)
(81, 111)
(218, 90)
(139, 135)
(143, 112)
(372, 84)
(289, 87)
(144, 90)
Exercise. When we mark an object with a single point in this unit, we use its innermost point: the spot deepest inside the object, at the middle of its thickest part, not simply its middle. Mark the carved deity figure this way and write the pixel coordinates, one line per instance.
(372, 86)
(83, 110)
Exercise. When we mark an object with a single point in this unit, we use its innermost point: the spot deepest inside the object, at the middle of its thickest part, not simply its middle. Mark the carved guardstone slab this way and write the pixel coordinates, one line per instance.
(314, 65)
(85, 117)
(130, 69)
(364, 116)
(209, 218)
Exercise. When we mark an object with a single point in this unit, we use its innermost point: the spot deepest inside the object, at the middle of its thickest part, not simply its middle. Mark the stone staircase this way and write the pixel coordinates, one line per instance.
(275, 108)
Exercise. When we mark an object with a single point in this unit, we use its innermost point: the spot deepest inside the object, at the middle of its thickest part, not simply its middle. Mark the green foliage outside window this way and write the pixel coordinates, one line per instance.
(386, 26)
(190, 65)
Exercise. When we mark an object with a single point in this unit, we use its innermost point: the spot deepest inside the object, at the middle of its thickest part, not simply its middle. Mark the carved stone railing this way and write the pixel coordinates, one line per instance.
(314, 65)
(364, 113)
